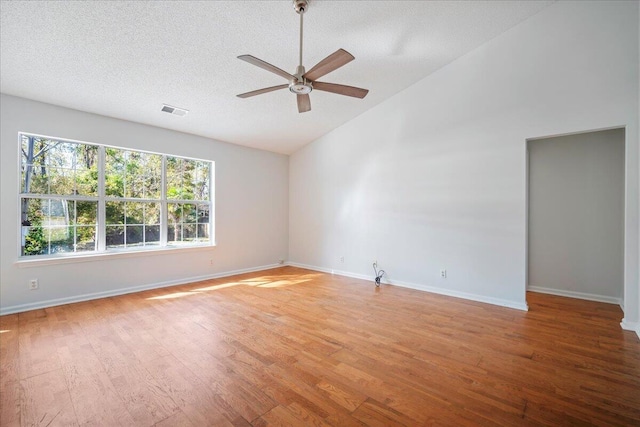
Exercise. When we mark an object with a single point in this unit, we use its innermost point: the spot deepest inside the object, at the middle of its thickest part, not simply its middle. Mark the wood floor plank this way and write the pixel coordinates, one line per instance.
(45, 401)
(94, 397)
(290, 346)
(196, 401)
(9, 351)
(37, 349)
(10, 403)
(179, 419)
(145, 400)
(377, 414)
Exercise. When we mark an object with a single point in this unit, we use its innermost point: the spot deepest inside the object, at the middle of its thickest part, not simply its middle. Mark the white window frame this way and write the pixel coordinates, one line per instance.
(102, 199)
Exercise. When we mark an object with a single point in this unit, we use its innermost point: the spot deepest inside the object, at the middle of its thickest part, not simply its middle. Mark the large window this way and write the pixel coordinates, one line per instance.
(79, 197)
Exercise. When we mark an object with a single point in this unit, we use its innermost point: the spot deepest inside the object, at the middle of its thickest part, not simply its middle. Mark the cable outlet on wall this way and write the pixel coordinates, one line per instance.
(33, 284)
(443, 273)
(281, 261)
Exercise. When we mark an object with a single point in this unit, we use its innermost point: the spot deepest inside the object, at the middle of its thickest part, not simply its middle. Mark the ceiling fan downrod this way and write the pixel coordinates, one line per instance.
(301, 6)
(301, 86)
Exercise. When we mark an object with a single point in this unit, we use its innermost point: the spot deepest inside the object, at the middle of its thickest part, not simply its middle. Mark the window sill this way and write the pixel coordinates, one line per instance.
(106, 256)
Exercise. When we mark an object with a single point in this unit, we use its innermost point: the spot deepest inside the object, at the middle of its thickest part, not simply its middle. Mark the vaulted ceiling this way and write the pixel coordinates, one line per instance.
(124, 59)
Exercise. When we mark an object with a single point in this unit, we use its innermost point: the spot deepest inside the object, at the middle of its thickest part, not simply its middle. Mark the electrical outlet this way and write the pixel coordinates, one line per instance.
(342, 259)
(281, 261)
(211, 261)
(375, 263)
(33, 284)
(443, 273)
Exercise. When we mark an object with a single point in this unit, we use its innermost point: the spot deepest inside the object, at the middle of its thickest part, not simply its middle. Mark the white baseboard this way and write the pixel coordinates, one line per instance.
(332, 271)
(421, 287)
(631, 326)
(122, 291)
(578, 295)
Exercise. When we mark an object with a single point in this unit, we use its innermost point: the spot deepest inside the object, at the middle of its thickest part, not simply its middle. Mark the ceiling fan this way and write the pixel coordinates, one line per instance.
(303, 82)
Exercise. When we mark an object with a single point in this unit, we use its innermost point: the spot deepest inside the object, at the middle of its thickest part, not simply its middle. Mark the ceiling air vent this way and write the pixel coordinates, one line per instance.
(174, 110)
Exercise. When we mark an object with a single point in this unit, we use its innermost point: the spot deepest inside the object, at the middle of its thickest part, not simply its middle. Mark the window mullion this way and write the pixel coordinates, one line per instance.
(102, 216)
(164, 222)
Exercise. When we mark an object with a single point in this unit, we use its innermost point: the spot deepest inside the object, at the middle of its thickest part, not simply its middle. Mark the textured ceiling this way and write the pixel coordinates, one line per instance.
(124, 59)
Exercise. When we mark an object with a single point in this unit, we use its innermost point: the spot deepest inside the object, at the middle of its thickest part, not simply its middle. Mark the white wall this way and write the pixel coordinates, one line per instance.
(435, 177)
(576, 215)
(251, 209)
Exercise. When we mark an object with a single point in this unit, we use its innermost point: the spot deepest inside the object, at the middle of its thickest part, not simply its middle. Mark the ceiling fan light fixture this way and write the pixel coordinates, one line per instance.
(301, 88)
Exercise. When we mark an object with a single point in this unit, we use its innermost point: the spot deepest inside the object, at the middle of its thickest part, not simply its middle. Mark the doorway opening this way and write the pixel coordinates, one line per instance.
(575, 215)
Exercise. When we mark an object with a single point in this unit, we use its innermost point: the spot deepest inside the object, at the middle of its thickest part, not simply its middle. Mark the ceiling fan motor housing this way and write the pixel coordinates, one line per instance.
(300, 85)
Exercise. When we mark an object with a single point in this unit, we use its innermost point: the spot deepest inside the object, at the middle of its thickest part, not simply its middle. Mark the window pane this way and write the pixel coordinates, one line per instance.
(115, 163)
(149, 178)
(202, 181)
(48, 226)
(59, 154)
(203, 232)
(132, 174)
(175, 233)
(87, 182)
(85, 238)
(174, 212)
(189, 232)
(86, 213)
(59, 234)
(133, 188)
(152, 213)
(63, 239)
(39, 183)
(42, 220)
(34, 241)
(134, 235)
(55, 212)
(86, 170)
(57, 167)
(134, 213)
(114, 213)
(86, 157)
(203, 213)
(203, 222)
(181, 178)
(151, 183)
(189, 213)
(140, 220)
(188, 223)
(152, 234)
(114, 236)
(61, 181)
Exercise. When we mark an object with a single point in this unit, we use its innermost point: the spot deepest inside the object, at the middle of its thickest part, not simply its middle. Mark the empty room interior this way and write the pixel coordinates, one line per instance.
(317, 212)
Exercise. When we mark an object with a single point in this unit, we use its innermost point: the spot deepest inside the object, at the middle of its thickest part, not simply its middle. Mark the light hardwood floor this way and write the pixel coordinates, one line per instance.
(296, 347)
